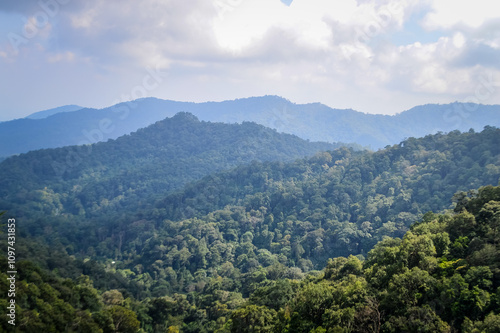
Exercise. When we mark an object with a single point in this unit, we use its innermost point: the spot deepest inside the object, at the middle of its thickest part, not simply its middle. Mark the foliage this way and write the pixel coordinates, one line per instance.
(93, 180)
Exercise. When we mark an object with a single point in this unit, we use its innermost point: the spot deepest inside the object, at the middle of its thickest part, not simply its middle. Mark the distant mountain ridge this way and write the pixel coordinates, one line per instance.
(50, 112)
(316, 122)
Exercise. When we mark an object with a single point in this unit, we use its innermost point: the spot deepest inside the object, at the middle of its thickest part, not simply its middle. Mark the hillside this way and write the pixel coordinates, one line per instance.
(315, 122)
(84, 180)
(442, 276)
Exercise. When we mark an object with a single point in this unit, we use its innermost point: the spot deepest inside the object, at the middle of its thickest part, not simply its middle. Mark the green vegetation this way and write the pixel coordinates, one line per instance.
(87, 180)
(341, 241)
(443, 275)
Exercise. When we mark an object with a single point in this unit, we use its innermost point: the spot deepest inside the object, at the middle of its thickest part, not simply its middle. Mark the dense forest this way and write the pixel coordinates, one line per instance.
(155, 160)
(442, 276)
(402, 239)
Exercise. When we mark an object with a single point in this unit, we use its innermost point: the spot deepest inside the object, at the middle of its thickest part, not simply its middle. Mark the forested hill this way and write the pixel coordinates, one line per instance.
(157, 159)
(398, 184)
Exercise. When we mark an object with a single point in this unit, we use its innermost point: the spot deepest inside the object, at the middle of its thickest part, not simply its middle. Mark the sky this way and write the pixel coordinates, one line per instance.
(372, 56)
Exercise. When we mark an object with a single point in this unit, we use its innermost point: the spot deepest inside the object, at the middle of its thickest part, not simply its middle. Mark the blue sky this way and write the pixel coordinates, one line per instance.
(371, 56)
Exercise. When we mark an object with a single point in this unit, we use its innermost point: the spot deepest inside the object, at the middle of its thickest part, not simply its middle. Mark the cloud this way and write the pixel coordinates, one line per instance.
(447, 14)
(341, 53)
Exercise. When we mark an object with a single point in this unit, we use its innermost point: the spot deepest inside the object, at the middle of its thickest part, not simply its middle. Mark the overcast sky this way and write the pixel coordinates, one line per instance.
(371, 56)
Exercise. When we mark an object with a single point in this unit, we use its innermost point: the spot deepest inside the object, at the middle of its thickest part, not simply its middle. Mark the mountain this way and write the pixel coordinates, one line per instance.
(154, 160)
(315, 122)
(50, 112)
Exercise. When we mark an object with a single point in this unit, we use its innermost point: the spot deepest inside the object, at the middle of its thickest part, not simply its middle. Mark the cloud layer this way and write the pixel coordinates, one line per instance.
(373, 56)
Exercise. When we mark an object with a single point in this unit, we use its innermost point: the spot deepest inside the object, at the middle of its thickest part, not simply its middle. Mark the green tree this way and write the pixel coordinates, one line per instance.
(252, 319)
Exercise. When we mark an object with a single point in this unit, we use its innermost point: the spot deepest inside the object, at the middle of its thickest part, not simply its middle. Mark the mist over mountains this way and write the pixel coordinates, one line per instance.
(316, 122)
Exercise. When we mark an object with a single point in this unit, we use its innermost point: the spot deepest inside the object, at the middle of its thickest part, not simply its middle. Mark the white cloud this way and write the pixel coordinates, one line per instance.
(238, 25)
(319, 24)
(459, 40)
(336, 52)
(248, 22)
(448, 13)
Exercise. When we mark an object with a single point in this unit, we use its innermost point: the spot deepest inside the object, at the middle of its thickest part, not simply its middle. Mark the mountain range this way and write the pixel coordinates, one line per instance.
(314, 121)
